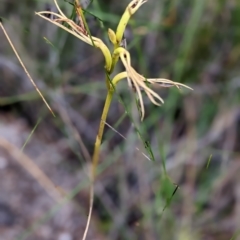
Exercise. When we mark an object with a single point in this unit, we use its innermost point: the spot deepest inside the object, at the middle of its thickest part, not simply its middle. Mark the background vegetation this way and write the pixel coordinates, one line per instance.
(194, 136)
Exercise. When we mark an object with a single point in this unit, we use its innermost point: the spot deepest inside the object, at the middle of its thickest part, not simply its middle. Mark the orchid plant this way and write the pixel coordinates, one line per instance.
(138, 82)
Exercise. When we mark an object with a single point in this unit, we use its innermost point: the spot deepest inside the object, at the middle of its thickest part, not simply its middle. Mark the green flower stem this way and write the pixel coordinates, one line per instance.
(96, 153)
(99, 136)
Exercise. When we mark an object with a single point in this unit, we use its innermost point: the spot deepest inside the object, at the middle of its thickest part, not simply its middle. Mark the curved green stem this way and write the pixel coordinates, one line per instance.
(96, 153)
(99, 136)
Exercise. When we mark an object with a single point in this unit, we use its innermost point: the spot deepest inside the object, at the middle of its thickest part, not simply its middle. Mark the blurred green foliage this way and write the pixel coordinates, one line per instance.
(194, 42)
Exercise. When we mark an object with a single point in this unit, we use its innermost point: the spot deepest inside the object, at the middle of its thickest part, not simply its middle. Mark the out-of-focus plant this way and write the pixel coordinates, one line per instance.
(136, 81)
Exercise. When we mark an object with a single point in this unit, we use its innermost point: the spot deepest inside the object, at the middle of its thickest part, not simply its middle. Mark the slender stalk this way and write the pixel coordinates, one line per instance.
(98, 140)
(95, 157)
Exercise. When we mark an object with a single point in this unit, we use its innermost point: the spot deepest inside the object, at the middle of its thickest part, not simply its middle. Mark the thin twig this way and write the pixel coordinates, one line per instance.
(24, 68)
(90, 210)
(126, 139)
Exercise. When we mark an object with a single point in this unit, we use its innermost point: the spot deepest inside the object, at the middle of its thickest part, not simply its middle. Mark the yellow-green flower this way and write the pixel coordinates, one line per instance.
(139, 82)
(135, 80)
(77, 31)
